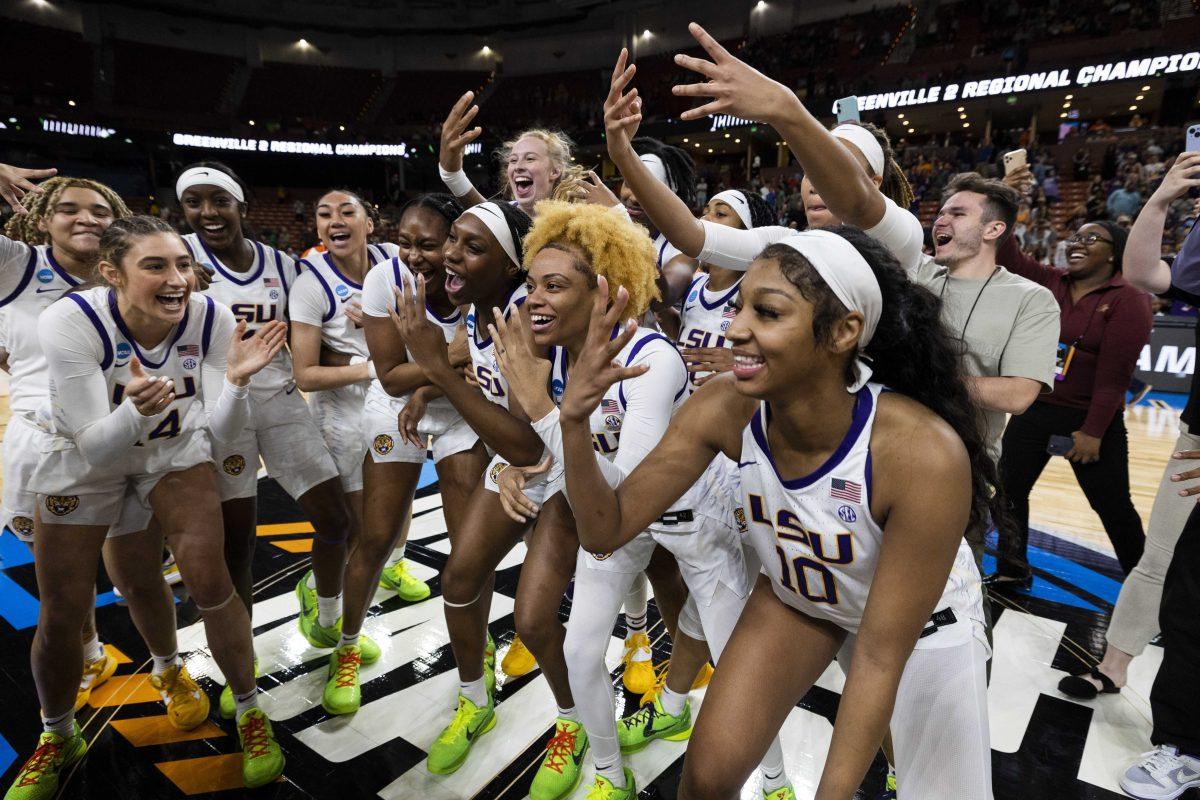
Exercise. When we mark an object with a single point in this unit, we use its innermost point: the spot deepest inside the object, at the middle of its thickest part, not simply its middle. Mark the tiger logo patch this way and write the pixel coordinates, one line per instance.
(497, 468)
(739, 516)
(61, 504)
(600, 556)
(234, 465)
(22, 526)
(383, 444)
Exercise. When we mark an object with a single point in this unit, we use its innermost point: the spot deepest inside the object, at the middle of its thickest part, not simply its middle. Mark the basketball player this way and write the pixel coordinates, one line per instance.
(856, 499)
(393, 466)
(58, 249)
(141, 374)
(254, 280)
(326, 311)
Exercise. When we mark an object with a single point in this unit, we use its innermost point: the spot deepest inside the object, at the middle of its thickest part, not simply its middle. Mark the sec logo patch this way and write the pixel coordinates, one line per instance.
(61, 504)
(847, 514)
(383, 444)
(234, 465)
(189, 363)
(612, 422)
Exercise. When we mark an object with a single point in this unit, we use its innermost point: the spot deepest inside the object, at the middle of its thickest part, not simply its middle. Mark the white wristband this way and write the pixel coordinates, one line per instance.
(457, 182)
(371, 370)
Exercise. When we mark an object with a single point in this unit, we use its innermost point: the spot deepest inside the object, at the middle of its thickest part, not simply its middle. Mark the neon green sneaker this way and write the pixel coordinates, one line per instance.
(370, 650)
(651, 722)
(489, 652)
(451, 748)
(561, 768)
(396, 577)
(38, 778)
(226, 705)
(342, 694)
(310, 626)
(603, 789)
(782, 793)
(262, 760)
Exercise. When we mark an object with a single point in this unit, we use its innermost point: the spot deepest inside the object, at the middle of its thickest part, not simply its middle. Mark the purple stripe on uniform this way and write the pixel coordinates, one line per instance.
(30, 268)
(230, 274)
(179, 329)
(328, 292)
(210, 313)
(62, 273)
(99, 326)
(863, 403)
(723, 298)
(637, 348)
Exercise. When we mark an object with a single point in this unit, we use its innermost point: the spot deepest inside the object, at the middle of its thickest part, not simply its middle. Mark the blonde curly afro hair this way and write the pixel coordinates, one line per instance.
(612, 246)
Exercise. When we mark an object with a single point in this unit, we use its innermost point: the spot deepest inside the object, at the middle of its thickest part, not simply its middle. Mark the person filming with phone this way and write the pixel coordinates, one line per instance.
(1104, 323)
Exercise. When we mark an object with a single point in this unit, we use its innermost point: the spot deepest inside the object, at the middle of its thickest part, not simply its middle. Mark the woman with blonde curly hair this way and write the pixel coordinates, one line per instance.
(582, 258)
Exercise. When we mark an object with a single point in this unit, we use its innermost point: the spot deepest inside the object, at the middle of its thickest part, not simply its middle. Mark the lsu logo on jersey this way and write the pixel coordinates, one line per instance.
(22, 527)
(61, 504)
(256, 314)
(45, 275)
(234, 465)
(383, 444)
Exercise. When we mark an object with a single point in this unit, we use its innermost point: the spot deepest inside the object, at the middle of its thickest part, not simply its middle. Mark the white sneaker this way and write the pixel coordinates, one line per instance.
(1162, 774)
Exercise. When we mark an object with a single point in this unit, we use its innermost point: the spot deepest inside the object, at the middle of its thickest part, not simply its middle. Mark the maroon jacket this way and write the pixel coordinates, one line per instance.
(1108, 326)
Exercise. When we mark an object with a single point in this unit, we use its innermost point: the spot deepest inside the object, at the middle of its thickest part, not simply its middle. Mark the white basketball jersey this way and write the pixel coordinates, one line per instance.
(43, 281)
(338, 332)
(483, 356)
(705, 318)
(378, 296)
(178, 357)
(257, 296)
(608, 418)
(816, 537)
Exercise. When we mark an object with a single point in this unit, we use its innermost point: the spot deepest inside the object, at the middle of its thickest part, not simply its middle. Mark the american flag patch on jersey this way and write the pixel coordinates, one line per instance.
(842, 489)
(271, 283)
(188, 350)
(610, 406)
(729, 313)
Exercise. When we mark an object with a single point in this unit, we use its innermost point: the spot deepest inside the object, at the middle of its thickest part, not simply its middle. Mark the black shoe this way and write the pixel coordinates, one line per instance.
(999, 582)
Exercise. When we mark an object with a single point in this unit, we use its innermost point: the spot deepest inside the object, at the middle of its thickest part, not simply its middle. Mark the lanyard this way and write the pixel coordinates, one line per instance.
(963, 336)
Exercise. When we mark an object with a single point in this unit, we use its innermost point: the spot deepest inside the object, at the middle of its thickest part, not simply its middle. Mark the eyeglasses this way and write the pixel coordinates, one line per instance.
(1087, 239)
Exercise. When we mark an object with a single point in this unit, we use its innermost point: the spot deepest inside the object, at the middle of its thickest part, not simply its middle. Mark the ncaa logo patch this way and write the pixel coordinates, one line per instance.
(557, 388)
(847, 514)
(342, 291)
(189, 363)
(61, 504)
(234, 465)
(45, 275)
(124, 351)
(22, 526)
(383, 444)
(695, 293)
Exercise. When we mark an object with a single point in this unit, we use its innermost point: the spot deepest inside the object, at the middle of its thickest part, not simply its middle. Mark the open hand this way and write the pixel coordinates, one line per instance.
(424, 340)
(735, 87)
(622, 110)
(455, 133)
(595, 370)
(520, 363)
(249, 354)
(15, 183)
(512, 481)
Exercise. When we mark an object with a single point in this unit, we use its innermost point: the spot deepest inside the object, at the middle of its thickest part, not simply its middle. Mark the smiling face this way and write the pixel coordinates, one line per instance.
(1090, 252)
(960, 230)
(214, 214)
(560, 290)
(476, 265)
(342, 224)
(76, 222)
(530, 172)
(421, 241)
(774, 346)
(154, 278)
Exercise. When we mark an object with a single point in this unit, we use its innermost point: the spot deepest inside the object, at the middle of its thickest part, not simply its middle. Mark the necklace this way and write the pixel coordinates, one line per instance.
(962, 336)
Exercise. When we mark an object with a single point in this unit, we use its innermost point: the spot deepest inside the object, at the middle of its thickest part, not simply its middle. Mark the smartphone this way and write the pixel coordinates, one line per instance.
(846, 109)
(1193, 138)
(1013, 161)
(1060, 445)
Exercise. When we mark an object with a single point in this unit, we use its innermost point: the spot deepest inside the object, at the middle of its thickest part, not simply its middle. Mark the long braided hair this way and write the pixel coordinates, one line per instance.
(24, 227)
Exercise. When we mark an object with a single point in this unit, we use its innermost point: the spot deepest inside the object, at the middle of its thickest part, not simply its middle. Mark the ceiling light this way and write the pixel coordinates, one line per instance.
(1062, 115)
(901, 116)
(737, 141)
(251, 122)
(646, 34)
(761, 5)
(1070, 97)
(960, 108)
(727, 136)
(966, 124)
(685, 139)
(962, 116)
(1133, 108)
(71, 103)
(1067, 105)
(910, 130)
(710, 149)
(1145, 88)
(1140, 97)
(303, 43)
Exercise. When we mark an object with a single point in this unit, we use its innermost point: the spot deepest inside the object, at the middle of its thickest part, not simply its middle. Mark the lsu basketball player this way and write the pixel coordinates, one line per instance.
(61, 231)
(326, 312)
(856, 497)
(254, 280)
(142, 373)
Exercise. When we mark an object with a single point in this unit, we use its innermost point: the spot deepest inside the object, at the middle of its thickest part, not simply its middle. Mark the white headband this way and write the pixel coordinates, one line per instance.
(204, 176)
(490, 215)
(657, 169)
(865, 141)
(738, 202)
(847, 273)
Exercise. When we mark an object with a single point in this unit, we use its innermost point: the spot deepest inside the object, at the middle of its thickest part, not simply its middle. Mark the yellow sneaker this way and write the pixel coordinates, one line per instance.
(518, 660)
(94, 674)
(703, 677)
(638, 676)
(187, 704)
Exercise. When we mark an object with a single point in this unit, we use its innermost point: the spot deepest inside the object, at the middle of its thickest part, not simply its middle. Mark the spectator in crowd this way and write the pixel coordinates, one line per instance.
(1104, 324)
(1083, 163)
(1125, 200)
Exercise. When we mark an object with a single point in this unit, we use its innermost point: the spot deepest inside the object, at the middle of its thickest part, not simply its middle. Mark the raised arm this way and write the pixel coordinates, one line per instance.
(737, 88)
(924, 483)
(622, 116)
(16, 182)
(1143, 265)
(455, 137)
